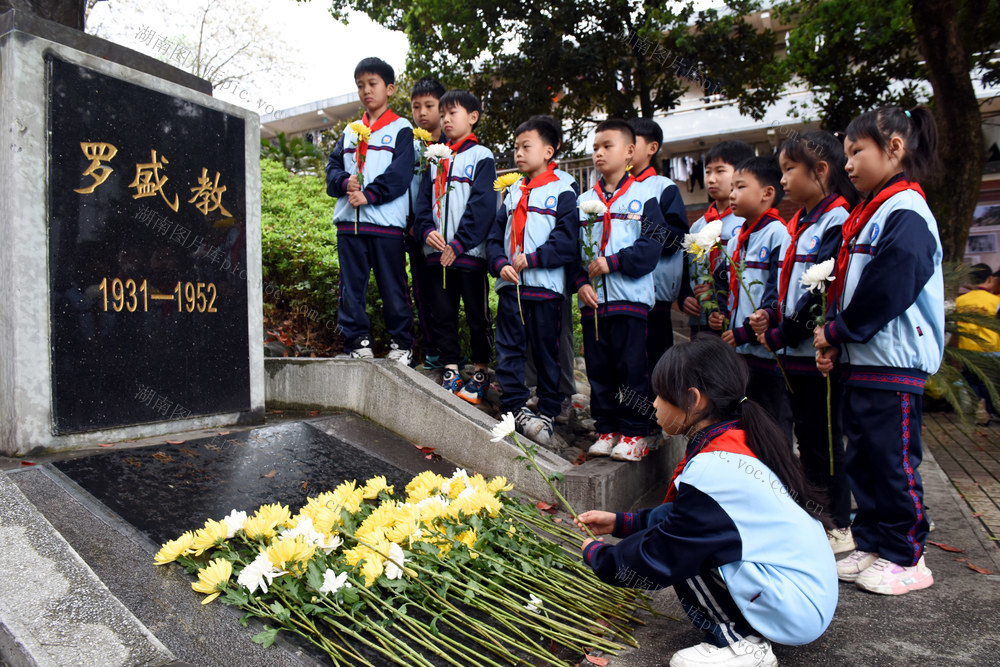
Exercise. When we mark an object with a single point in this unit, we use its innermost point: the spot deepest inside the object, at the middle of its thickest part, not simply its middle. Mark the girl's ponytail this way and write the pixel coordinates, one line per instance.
(918, 130)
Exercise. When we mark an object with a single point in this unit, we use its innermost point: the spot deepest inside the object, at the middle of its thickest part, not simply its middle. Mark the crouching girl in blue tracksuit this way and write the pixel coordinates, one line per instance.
(741, 535)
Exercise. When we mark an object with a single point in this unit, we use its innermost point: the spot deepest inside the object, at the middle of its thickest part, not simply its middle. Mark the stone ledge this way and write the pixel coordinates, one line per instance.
(53, 608)
(409, 404)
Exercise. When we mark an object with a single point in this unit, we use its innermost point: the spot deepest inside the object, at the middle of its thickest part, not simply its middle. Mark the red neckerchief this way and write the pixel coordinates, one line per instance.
(521, 210)
(859, 217)
(713, 214)
(387, 117)
(645, 173)
(441, 177)
(724, 437)
(606, 231)
(829, 203)
(741, 242)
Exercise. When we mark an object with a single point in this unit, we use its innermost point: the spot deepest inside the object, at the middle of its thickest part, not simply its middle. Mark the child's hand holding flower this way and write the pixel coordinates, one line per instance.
(447, 256)
(598, 267)
(509, 273)
(759, 321)
(729, 337)
(357, 199)
(588, 296)
(352, 184)
(716, 320)
(600, 523)
(520, 262)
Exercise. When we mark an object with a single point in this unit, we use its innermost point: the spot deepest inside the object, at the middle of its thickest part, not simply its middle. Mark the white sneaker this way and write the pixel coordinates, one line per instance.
(604, 444)
(398, 354)
(849, 568)
(630, 448)
(888, 578)
(841, 540)
(753, 652)
(528, 423)
(363, 350)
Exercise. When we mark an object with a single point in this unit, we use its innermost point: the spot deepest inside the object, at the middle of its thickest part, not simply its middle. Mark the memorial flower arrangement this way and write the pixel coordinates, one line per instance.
(362, 133)
(440, 154)
(452, 570)
(816, 279)
(500, 185)
(708, 239)
(593, 209)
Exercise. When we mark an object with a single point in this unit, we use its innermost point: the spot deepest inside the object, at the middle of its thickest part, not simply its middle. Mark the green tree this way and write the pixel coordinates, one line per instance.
(562, 57)
(859, 55)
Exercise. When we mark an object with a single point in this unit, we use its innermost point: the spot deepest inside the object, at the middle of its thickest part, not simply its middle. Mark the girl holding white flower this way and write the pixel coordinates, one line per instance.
(812, 167)
(887, 328)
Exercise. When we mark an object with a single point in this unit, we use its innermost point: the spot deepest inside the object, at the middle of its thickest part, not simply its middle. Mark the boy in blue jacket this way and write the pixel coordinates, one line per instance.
(370, 215)
(454, 210)
(533, 239)
(615, 286)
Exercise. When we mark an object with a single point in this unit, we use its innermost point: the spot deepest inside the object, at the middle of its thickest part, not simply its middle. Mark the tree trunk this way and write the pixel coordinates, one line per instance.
(960, 136)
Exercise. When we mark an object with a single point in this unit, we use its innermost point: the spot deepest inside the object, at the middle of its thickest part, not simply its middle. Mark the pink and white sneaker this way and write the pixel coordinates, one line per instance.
(888, 578)
(630, 448)
(849, 568)
(604, 444)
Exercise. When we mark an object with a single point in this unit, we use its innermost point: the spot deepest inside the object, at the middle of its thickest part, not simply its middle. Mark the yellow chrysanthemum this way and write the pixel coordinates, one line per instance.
(423, 135)
(372, 569)
(696, 251)
(290, 554)
(363, 131)
(404, 530)
(374, 486)
(507, 180)
(324, 519)
(468, 538)
(426, 480)
(498, 484)
(257, 527)
(173, 549)
(212, 578)
(213, 533)
(276, 513)
(347, 496)
(456, 486)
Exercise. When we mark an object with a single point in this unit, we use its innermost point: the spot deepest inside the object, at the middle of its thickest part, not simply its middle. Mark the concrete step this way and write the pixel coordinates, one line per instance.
(159, 600)
(54, 610)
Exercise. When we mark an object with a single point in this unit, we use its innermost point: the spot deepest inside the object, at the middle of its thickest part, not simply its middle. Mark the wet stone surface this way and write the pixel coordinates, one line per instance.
(168, 489)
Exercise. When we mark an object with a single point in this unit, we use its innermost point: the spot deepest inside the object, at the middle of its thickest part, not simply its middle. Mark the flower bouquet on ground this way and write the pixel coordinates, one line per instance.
(451, 571)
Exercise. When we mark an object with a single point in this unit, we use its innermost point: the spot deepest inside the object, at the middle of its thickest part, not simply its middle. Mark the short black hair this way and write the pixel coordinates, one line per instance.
(376, 66)
(544, 128)
(616, 124)
(427, 85)
(461, 98)
(978, 273)
(556, 126)
(730, 152)
(648, 129)
(767, 171)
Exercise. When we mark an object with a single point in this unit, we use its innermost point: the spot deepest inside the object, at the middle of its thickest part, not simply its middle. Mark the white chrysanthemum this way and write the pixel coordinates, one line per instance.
(443, 502)
(304, 528)
(506, 425)
(234, 523)
(593, 207)
(333, 582)
(535, 604)
(437, 152)
(259, 574)
(818, 275)
(330, 543)
(394, 566)
(700, 242)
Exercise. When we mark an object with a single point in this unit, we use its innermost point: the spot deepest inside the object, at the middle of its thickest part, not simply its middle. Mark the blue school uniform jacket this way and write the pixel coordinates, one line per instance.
(730, 511)
(762, 256)
(669, 269)
(631, 250)
(550, 238)
(697, 272)
(387, 174)
(819, 240)
(466, 211)
(418, 175)
(890, 319)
